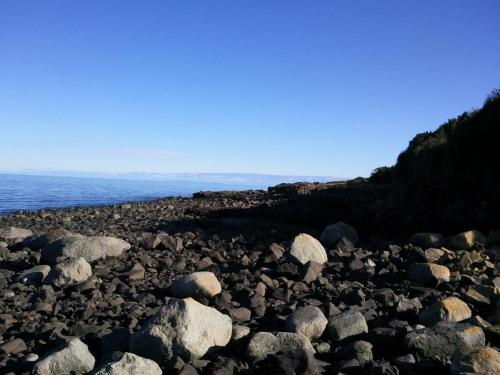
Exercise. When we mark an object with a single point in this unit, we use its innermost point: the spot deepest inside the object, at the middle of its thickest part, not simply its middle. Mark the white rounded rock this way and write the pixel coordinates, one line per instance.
(71, 358)
(183, 328)
(308, 320)
(197, 284)
(306, 248)
(70, 272)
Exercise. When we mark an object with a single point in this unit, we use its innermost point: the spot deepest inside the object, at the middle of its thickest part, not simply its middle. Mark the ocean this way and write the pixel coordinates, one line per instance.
(32, 192)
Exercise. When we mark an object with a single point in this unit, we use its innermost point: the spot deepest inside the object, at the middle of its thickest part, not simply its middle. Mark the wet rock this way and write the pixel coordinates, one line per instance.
(441, 340)
(89, 248)
(308, 321)
(183, 328)
(450, 309)
(346, 325)
(69, 272)
(471, 239)
(197, 284)
(306, 248)
(428, 273)
(427, 240)
(130, 364)
(34, 275)
(482, 360)
(335, 232)
(71, 357)
(263, 344)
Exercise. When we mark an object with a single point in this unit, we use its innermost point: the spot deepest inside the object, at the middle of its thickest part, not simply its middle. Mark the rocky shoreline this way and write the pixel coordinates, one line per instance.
(230, 283)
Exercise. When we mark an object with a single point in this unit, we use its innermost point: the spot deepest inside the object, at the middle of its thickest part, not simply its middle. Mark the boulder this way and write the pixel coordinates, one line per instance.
(441, 340)
(72, 357)
(197, 284)
(482, 360)
(130, 364)
(14, 234)
(306, 248)
(471, 239)
(427, 240)
(263, 344)
(308, 321)
(428, 273)
(89, 248)
(345, 325)
(335, 232)
(183, 328)
(38, 241)
(34, 275)
(69, 272)
(450, 309)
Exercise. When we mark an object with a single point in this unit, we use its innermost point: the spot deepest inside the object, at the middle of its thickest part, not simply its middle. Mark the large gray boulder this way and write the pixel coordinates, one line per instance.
(183, 328)
(308, 321)
(69, 272)
(345, 325)
(441, 340)
(197, 284)
(482, 360)
(72, 357)
(130, 364)
(14, 234)
(263, 344)
(306, 248)
(335, 232)
(38, 241)
(89, 248)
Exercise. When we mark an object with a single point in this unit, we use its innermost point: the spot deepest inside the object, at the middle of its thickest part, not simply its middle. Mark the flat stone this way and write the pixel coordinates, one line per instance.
(72, 357)
(263, 344)
(182, 329)
(450, 309)
(89, 248)
(308, 321)
(306, 248)
(480, 294)
(13, 347)
(13, 233)
(346, 325)
(197, 284)
(130, 364)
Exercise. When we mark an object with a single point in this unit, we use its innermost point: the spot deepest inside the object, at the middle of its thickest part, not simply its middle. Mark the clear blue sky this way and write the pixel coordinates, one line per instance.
(286, 87)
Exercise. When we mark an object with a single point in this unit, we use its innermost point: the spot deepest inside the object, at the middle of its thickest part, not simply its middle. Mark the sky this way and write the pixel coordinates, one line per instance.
(333, 88)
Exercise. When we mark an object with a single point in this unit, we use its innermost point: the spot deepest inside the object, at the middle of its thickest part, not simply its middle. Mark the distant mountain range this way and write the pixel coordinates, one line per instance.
(246, 179)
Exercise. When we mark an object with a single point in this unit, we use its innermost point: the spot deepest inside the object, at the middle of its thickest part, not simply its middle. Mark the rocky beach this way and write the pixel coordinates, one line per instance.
(229, 283)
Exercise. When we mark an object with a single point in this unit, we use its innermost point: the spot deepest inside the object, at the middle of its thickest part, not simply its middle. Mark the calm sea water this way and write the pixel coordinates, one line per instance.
(23, 192)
